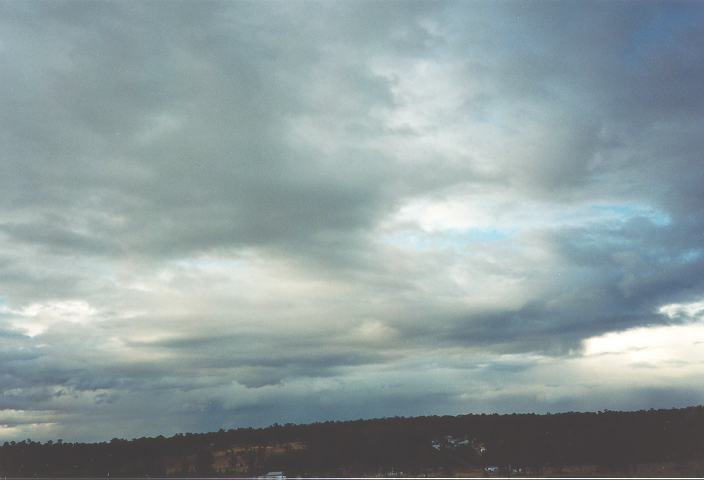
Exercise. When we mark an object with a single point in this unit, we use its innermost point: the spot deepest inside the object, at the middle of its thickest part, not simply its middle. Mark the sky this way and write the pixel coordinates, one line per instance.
(226, 214)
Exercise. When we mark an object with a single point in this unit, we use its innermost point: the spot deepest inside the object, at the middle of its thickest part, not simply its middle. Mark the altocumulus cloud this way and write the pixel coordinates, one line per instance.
(228, 213)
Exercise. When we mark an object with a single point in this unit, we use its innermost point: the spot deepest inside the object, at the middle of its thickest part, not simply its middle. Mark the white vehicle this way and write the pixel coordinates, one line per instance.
(274, 476)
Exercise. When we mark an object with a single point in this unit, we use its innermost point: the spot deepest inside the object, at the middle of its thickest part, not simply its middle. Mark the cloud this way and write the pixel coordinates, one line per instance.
(232, 214)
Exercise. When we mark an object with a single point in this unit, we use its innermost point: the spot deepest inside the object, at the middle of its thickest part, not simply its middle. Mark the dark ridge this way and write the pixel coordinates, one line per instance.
(602, 442)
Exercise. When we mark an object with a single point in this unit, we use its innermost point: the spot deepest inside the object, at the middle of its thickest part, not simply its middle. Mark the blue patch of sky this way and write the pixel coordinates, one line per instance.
(448, 239)
(485, 234)
(627, 211)
(462, 238)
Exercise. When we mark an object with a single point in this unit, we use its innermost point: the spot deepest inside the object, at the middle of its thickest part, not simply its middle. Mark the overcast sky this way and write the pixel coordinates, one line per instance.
(233, 214)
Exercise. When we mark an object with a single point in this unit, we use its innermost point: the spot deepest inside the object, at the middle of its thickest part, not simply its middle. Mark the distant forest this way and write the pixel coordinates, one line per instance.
(517, 443)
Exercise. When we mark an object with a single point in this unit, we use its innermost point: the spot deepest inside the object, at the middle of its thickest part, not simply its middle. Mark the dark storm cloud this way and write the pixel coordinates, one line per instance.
(245, 213)
(609, 278)
(125, 73)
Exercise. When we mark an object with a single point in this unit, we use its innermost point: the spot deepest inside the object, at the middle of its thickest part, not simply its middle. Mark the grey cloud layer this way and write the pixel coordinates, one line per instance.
(262, 212)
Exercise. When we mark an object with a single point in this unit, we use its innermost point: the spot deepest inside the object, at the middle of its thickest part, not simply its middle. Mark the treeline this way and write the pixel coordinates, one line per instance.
(614, 440)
